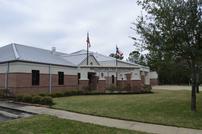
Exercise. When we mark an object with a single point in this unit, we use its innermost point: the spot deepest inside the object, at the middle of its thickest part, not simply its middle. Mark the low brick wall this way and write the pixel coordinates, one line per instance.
(154, 82)
(101, 86)
(83, 84)
(137, 85)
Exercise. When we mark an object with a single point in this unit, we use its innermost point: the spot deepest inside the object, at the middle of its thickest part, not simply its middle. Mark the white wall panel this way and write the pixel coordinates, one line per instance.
(3, 68)
(22, 67)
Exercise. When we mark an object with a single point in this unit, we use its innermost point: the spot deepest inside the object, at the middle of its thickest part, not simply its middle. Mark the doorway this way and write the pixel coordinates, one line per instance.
(93, 79)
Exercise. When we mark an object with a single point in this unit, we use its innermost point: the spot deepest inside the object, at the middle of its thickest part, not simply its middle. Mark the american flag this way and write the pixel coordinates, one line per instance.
(118, 52)
(88, 40)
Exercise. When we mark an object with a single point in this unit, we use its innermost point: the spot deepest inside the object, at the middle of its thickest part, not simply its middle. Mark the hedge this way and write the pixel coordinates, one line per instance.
(44, 100)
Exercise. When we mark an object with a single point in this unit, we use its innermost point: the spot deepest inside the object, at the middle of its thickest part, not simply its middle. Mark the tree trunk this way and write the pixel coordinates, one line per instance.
(197, 80)
(193, 94)
(197, 88)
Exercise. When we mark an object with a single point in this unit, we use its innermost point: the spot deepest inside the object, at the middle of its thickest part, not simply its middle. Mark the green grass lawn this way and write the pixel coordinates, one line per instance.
(161, 107)
(44, 124)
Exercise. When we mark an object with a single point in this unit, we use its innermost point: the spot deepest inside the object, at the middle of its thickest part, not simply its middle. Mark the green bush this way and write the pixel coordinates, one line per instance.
(57, 95)
(1, 93)
(43, 95)
(37, 99)
(112, 88)
(27, 99)
(72, 93)
(147, 88)
(19, 98)
(127, 87)
(47, 100)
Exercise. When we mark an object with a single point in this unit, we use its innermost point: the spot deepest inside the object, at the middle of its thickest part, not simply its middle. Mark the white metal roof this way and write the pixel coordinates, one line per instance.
(99, 57)
(19, 52)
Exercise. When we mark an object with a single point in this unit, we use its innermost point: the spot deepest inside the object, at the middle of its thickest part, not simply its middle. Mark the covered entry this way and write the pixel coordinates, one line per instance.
(93, 79)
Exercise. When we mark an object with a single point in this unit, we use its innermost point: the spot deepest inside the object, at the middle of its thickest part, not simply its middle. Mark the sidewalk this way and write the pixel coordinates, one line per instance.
(130, 125)
(173, 87)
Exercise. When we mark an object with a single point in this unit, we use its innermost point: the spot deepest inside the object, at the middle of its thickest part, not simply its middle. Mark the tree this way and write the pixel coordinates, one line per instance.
(172, 29)
(138, 58)
(116, 56)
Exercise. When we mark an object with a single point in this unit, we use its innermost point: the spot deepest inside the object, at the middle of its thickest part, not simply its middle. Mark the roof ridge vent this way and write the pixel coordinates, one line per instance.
(15, 51)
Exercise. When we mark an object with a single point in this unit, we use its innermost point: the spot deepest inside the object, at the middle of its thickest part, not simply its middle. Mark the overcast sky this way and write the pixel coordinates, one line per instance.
(64, 24)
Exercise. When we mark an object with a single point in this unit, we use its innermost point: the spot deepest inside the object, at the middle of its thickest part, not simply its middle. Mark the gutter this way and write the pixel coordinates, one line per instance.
(84, 66)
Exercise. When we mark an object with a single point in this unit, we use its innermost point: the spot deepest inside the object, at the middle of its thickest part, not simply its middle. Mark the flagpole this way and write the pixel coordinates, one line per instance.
(87, 53)
(116, 68)
(116, 73)
(88, 43)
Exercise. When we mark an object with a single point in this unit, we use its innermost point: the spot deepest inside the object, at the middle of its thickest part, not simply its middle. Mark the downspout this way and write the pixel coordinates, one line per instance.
(116, 73)
(6, 75)
(50, 80)
(108, 81)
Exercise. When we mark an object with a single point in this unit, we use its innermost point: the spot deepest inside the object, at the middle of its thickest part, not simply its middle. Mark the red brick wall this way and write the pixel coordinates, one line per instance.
(101, 85)
(123, 84)
(137, 85)
(21, 83)
(154, 82)
(142, 79)
(132, 85)
(2, 80)
(109, 81)
(83, 84)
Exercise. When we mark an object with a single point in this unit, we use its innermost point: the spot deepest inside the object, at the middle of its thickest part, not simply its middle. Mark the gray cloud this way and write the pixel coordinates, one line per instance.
(64, 24)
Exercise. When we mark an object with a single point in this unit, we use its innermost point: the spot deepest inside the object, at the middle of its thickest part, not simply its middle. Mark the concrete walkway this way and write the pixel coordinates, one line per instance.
(130, 125)
(173, 87)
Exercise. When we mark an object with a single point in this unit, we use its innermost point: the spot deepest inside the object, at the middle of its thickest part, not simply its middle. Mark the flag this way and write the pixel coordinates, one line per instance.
(88, 40)
(118, 52)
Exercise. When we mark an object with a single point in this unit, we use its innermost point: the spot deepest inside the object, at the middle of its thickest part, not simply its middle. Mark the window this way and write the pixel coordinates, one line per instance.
(35, 77)
(113, 80)
(79, 76)
(60, 78)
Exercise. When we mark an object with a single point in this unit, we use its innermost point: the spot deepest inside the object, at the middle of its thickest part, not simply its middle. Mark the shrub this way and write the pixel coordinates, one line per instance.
(43, 95)
(27, 99)
(74, 92)
(1, 93)
(87, 89)
(19, 98)
(57, 95)
(147, 88)
(68, 93)
(112, 88)
(36, 99)
(47, 100)
(127, 87)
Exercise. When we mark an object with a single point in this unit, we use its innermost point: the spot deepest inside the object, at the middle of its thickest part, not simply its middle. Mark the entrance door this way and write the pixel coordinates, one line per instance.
(92, 81)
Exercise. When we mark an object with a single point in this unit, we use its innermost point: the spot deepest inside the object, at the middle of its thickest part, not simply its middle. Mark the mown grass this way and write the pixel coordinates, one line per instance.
(44, 124)
(161, 107)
